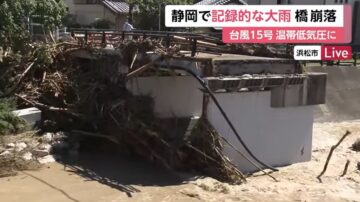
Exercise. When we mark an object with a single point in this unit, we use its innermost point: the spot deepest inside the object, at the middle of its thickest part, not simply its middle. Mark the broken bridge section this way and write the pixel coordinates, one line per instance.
(269, 101)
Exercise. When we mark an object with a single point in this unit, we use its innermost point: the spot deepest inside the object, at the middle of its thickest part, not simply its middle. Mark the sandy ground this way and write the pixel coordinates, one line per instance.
(112, 178)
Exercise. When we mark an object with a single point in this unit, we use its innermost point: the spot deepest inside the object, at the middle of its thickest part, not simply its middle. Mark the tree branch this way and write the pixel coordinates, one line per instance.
(330, 154)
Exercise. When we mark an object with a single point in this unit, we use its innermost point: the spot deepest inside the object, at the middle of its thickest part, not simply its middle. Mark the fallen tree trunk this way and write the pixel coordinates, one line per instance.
(50, 108)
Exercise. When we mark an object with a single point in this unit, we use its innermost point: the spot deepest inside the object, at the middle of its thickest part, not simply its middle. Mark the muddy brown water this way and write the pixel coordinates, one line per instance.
(342, 93)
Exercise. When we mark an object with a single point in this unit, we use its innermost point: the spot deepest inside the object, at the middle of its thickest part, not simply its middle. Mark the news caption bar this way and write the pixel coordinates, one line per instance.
(322, 53)
(298, 24)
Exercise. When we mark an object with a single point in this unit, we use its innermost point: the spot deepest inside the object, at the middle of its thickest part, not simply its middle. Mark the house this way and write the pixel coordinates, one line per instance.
(86, 12)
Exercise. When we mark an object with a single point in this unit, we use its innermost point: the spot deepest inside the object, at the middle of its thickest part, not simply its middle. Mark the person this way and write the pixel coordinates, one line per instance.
(127, 26)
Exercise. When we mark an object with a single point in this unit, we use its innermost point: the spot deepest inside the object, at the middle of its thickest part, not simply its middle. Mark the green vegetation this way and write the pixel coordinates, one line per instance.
(9, 123)
(148, 18)
(15, 16)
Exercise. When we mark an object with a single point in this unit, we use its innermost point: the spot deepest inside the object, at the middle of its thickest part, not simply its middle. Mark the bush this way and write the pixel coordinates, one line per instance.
(14, 32)
(9, 123)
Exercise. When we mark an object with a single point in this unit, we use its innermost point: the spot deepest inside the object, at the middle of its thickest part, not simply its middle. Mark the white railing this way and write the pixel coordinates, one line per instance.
(61, 33)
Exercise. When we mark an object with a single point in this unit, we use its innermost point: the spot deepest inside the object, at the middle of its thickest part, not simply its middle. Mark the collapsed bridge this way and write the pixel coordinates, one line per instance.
(262, 106)
(269, 101)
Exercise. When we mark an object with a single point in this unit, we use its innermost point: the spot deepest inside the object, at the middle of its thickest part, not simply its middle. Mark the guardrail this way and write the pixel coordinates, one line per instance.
(61, 33)
(104, 37)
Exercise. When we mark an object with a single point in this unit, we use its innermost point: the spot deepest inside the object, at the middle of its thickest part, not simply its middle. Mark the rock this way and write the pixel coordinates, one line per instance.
(20, 146)
(5, 153)
(60, 135)
(46, 147)
(10, 145)
(27, 156)
(40, 153)
(47, 137)
(46, 159)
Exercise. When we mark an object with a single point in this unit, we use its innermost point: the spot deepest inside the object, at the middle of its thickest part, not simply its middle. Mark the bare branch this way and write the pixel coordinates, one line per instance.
(330, 154)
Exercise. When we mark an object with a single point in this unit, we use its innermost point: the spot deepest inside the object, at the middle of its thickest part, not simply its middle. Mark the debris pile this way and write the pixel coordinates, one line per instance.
(28, 151)
(89, 97)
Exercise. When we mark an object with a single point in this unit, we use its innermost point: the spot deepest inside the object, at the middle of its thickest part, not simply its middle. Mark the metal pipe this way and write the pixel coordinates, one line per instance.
(212, 96)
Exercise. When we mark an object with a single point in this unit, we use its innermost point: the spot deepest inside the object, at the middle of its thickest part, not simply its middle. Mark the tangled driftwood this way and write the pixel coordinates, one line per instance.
(89, 97)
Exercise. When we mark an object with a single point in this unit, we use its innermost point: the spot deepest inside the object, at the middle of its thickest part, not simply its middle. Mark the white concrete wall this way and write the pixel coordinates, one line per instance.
(278, 136)
(30, 115)
(173, 96)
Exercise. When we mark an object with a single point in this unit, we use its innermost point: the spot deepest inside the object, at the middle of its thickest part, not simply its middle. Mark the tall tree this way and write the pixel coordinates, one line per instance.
(150, 10)
(15, 16)
(132, 4)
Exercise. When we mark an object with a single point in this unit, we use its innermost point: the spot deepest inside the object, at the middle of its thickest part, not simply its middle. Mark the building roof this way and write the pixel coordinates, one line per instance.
(219, 2)
(116, 6)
